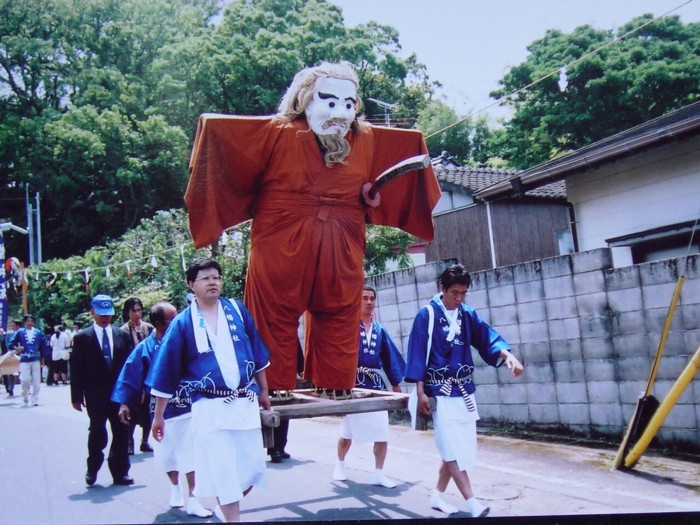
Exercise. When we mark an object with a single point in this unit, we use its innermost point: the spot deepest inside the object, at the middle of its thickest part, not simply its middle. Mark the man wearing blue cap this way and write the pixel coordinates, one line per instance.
(99, 352)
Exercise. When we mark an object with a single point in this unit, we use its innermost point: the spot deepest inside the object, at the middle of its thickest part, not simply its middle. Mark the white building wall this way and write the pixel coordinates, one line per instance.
(644, 192)
(450, 200)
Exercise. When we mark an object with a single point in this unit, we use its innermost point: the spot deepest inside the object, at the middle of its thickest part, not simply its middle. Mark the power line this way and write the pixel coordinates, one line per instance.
(556, 71)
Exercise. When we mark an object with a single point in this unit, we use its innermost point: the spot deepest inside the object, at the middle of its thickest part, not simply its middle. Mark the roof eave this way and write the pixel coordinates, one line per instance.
(590, 156)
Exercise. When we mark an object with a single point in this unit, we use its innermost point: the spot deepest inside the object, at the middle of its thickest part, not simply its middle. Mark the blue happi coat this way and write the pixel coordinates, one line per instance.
(178, 360)
(379, 353)
(132, 378)
(34, 348)
(450, 366)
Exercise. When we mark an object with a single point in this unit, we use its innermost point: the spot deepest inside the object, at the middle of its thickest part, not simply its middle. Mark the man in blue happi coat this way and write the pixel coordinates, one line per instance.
(175, 453)
(377, 353)
(30, 344)
(440, 363)
(214, 348)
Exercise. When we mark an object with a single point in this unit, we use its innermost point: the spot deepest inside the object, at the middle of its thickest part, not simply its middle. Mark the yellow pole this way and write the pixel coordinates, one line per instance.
(620, 457)
(664, 408)
(664, 333)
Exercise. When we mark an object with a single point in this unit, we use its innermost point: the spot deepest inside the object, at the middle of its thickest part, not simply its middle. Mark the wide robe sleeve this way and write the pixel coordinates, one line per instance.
(168, 365)
(416, 362)
(129, 385)
(484, 338)
(392, 361)
(407, 202)
(229, 156)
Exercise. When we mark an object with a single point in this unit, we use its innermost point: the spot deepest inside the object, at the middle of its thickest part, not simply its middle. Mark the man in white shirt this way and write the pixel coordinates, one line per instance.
(60, 353)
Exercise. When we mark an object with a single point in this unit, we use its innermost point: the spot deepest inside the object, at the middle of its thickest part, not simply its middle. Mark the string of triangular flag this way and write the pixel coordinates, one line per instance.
(89, 271)
(37, 273)
(153, 259)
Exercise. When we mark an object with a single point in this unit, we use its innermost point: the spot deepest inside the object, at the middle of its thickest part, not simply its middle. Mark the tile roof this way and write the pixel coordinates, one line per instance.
(476, 178)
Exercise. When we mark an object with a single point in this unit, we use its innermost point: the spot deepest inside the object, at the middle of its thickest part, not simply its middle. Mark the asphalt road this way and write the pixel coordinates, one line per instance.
(43, 452)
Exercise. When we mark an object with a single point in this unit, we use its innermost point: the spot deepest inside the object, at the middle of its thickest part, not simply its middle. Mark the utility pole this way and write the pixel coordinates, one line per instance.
(33, 226)
(30, 223)
(387, 107)
(39, 259)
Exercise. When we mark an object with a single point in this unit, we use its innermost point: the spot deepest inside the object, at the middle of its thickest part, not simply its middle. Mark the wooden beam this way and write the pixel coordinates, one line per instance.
(307, 403)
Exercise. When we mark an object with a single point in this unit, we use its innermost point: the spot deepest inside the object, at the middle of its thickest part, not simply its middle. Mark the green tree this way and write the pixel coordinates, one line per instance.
(466, 140)
(385, 244)
(252, 56)
(78, 114)
(104, 173)
(642, 76)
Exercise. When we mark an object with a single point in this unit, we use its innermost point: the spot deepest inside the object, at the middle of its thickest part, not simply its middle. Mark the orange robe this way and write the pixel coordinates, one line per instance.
(308, 231)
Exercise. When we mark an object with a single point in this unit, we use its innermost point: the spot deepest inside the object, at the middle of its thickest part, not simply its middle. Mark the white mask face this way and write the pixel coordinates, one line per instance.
(332, 109)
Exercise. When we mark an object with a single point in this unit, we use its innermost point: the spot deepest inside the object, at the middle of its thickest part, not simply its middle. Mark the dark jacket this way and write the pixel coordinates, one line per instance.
(92, 380)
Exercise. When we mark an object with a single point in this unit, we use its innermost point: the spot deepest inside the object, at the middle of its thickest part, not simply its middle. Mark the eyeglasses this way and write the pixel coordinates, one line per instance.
(210, 279)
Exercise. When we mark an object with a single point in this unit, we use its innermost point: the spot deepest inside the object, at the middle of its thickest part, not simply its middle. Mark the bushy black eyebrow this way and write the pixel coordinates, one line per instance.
(324, 96)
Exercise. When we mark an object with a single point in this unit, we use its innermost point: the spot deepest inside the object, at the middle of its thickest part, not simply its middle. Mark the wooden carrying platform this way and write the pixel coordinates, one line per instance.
(309, 403)
(304, 403)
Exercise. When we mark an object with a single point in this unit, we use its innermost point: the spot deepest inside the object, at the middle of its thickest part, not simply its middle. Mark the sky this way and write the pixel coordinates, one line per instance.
(469, 45)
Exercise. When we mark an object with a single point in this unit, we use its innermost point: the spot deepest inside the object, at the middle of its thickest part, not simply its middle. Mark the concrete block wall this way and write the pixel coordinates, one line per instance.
(587, 333)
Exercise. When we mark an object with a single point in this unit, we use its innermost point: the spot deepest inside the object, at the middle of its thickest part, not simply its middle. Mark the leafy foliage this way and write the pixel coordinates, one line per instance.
(445, 131)
(384, 244)
(640, 77)
(77, 105)
(98, 103)
(244, 64)
(146, 262)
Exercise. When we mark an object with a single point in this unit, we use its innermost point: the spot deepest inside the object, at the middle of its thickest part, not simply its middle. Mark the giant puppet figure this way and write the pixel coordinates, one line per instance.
(303, 176)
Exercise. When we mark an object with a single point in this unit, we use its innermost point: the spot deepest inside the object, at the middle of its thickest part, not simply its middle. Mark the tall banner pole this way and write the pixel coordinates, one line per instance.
(3, 285)
(25, 286)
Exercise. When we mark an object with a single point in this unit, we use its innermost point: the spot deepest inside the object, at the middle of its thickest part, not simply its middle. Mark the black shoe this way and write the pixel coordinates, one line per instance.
(90, 478)
(276, 456)
(145, 447)
(285, 455)
(124, 480)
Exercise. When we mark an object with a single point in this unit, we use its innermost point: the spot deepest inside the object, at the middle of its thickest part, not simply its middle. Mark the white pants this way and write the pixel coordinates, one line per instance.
(455, 431)
(229, 457)
(176, 451)
(30, 374)
(367, 427)
(227, 463)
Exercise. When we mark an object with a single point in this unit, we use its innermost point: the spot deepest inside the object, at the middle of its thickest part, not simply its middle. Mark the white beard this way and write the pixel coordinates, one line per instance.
(335, 149)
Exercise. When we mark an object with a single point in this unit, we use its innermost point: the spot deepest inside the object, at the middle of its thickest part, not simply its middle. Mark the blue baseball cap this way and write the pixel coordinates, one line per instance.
(102, 305)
